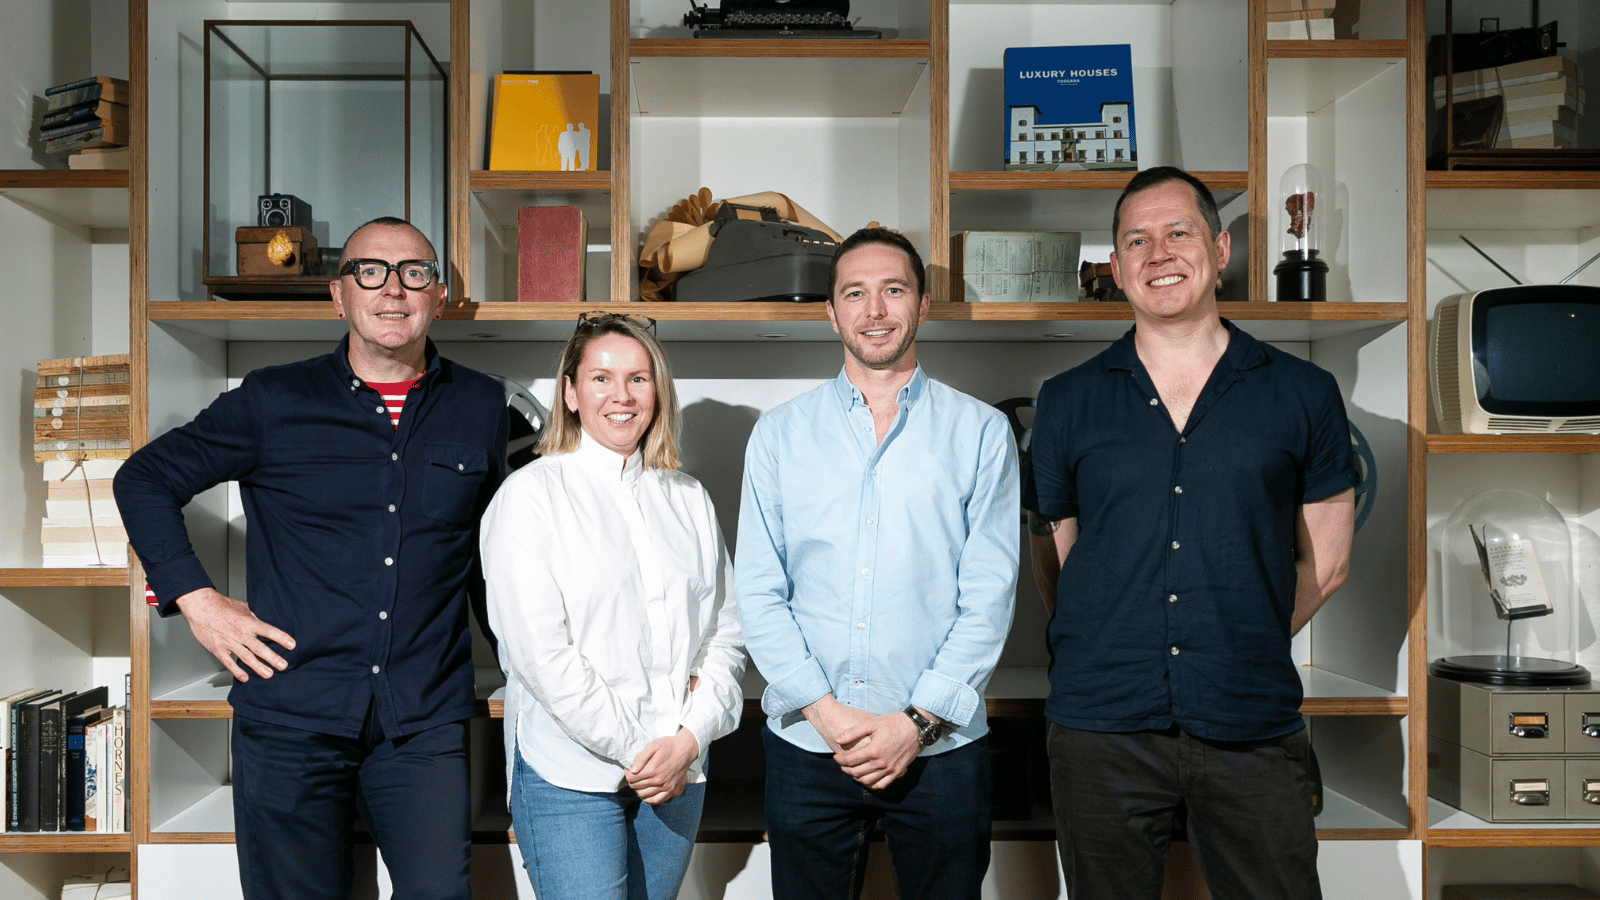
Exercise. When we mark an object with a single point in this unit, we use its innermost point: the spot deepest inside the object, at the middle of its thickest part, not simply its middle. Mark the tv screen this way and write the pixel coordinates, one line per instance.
(1536, 351)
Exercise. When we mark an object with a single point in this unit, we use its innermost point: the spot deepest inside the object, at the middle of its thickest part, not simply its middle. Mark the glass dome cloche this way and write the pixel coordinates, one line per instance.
(1506, 611)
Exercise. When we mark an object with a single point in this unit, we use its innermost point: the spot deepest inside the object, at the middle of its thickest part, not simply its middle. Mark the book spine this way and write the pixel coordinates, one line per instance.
(75, 97)
(13, 763)
(73, 85)
(72, 782)
(71, 365)
(58, 380)
(60, 131)
(118, 754)
(86, 112)
(94, 754)
(28, 771)
(50, 768)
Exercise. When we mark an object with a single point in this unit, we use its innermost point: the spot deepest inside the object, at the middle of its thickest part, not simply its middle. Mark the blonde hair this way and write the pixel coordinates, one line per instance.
(563, 432)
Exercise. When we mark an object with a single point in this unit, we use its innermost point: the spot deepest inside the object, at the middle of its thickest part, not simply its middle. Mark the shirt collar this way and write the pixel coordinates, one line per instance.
(1244, 351)
(431, 362)
(606, 463)
(905, 398)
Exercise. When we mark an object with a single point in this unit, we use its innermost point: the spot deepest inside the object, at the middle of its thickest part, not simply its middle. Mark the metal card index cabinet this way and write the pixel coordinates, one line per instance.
(1509, 754)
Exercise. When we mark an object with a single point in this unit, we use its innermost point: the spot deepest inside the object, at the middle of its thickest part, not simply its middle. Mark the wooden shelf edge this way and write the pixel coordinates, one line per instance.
(1354, 706)
(1514, 443)
(1363, 834)
(62, 577)
(1335, 49)
(18, 179)
(777, 48)
(191, 837)
(65, 842)
(1532, 836)
(1504, 180)
(190, 709)
(1114, 180)
(485, 180)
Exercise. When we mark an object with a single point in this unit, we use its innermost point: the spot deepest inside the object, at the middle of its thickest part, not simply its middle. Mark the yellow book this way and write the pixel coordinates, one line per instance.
(545, 122)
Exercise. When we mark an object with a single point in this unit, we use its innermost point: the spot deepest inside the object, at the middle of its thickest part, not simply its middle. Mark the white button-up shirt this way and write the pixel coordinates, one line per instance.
(609, 587)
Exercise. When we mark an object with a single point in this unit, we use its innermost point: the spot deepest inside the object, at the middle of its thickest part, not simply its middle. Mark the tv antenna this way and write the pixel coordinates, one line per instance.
(1513, 277)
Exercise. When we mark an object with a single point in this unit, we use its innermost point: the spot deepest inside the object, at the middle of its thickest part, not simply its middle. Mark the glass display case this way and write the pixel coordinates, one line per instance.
(313, 128)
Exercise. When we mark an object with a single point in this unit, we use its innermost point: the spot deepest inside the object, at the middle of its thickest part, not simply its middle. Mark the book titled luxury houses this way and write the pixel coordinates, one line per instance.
(1069, 108)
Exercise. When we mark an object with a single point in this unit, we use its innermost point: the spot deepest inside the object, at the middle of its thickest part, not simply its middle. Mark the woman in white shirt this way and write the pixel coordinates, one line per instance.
(609, 589)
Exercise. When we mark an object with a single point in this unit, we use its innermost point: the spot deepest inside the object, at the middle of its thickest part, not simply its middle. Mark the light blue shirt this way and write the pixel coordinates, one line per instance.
(883, 574)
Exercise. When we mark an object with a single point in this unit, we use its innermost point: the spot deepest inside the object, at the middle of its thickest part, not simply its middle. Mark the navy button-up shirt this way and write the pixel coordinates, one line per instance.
(362, 536)
(1174, 603)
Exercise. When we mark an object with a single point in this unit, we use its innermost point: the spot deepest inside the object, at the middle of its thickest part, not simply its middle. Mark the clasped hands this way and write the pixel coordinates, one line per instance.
(874, 750)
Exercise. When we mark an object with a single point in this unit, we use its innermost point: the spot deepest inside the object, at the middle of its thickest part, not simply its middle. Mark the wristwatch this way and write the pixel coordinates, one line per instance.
(927, 732)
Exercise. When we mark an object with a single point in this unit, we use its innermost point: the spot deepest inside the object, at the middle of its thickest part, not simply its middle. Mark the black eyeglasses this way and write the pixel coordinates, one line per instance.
(415, 274)
(593, 319)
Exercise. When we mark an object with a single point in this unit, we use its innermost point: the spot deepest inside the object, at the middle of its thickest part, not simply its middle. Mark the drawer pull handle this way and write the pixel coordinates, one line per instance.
(1591, 725)
(1531, 793)
(1530, 725)
(1591, 791)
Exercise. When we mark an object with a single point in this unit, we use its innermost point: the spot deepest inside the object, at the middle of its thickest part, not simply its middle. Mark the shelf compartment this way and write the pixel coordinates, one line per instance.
(1514, 443)
(1518, 204)
(66, 842)
(96, 199)
(1451, 827)
(788, 80)
(64, 577)
(752, 322)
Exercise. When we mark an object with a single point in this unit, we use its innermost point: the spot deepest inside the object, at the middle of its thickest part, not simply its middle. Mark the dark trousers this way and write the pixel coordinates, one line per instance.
(296, 795)
(935, 821)
(1248, 806)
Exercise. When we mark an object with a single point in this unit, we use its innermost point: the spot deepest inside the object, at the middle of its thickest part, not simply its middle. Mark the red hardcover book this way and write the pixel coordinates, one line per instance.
(550, 254)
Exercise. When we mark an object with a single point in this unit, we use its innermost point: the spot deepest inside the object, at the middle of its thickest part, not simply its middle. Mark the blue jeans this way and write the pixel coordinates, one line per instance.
(1248, 810)
(296, 795)
(935, 820)
(578, 845)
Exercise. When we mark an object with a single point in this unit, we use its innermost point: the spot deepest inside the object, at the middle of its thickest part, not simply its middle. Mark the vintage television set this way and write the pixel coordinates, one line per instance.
(1517, 360)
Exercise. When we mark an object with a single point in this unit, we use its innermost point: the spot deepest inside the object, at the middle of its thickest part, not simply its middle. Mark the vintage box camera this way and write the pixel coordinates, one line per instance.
(280, 210)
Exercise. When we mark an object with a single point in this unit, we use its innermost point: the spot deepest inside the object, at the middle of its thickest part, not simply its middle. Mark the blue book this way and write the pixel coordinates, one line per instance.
(1069, 108)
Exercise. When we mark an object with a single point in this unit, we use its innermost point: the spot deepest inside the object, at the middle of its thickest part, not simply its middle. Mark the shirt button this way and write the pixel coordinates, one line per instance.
(383, 614)
(389, 560)
(870, 520)
(1183, 440)
(391, 507)
(394, 456)
(355, 382)
(1174, 545)
(1178, 489)
(460, 467)
(1174, 651)
(861, 626)
(379, 409)
(1172, 598)
(855, 681)
(376, 670)
(1154, 402)
(866, 573)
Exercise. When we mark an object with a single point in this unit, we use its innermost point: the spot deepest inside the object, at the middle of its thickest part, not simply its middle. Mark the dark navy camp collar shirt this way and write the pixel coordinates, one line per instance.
(361, 538)
(1174, 603)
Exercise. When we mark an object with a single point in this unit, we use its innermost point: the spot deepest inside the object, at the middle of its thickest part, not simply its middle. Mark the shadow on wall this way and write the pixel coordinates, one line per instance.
(714, 437)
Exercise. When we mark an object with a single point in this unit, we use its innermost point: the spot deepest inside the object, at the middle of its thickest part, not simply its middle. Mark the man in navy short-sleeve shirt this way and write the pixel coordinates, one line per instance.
(1192, 509)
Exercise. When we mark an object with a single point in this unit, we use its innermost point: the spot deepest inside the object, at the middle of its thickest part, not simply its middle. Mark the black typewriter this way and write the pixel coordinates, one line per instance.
(775, 19)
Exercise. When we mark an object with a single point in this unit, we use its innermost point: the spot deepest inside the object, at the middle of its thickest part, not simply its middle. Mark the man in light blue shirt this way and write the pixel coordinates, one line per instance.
(876, 574)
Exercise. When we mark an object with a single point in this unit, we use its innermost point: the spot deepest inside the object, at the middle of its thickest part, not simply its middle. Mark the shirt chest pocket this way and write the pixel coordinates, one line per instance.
(451, 481)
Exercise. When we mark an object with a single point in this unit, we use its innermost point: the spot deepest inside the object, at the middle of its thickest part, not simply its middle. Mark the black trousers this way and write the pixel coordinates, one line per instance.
(296, 795)
(1249, 806)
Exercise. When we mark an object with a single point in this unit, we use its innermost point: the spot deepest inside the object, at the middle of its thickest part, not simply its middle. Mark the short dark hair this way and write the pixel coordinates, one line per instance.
(1160, 175)
(344, 252)
(878, 235)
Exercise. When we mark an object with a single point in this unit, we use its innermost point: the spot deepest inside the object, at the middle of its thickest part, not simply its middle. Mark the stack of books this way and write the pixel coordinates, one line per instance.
(113, 883)
(66, 761)
(81, 435)
(1289, 20)
(1530, 105)
(88, 114)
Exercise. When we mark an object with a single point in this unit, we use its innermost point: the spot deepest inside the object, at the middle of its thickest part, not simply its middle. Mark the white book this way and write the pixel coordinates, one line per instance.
(94, 760)
(102, 510)
(57, 469)
(117, 768)
(114, 558)
(1538, 129)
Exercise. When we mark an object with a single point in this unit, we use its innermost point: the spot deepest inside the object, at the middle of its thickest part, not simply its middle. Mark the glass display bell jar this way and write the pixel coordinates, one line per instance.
(1506, 611)
(1302, 273)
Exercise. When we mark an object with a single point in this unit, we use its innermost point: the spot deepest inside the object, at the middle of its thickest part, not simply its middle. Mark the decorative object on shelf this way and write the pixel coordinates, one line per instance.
(83, 114)
(81, 435)
(1517, 360)
(551, 249)
(775, 19)
(272, 88)
(763, 260)
(545, 122)
(1507, 612)
(1014, 266)
(1541, 95)
(280, 210)
(287, 250)
(1300, 20)
(1099, 283)
(1302, 273)
(1069, 108)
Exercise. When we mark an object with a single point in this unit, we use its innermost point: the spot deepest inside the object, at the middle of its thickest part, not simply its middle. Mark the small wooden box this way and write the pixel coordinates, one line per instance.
(252, 245)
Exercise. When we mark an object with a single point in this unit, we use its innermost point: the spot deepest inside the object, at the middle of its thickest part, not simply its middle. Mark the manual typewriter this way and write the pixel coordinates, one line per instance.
(775, 19)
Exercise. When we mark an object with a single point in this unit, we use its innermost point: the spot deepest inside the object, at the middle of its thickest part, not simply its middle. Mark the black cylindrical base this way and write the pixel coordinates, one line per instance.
(1516, 671)
(1301, 278)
